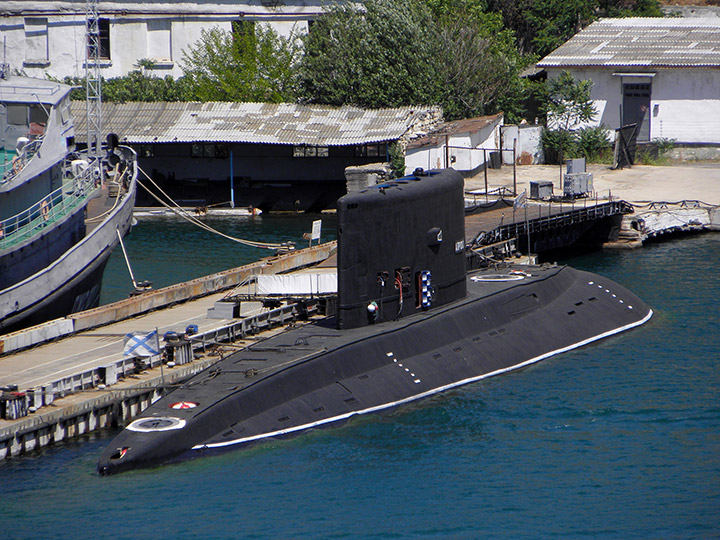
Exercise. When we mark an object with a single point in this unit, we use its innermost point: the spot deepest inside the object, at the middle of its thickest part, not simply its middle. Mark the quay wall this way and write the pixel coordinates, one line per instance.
(84, 413)
(164, 297)
(107, 396)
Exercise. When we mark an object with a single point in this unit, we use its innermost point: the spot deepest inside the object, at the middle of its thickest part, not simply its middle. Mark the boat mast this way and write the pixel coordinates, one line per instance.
(93, 81)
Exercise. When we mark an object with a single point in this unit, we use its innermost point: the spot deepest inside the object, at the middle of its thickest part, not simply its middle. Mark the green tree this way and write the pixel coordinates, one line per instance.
(479, 66)
(569, 102)
(569, 106)
(251, 63)
(540, 26)
(381, 56)
(411, 52)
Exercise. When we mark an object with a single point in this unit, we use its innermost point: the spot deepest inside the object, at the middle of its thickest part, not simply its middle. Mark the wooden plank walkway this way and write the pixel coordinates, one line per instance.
(504, 223)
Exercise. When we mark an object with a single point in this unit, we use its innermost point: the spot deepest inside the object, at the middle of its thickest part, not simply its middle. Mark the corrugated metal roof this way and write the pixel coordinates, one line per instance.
(469, 125)
(268, 123)
(651, 42)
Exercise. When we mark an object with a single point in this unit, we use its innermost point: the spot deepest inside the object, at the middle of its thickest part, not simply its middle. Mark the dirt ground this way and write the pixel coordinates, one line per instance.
(638, 184)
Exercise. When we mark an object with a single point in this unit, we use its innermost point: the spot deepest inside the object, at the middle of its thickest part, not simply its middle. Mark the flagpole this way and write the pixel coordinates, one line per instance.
(527, 230)
(162, 373)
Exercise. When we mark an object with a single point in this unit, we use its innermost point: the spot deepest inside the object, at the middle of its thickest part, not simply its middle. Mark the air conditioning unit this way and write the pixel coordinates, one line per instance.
(577, 184)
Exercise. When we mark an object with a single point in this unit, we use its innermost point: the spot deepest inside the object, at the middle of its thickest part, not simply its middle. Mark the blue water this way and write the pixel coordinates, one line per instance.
(166, 251)
(620, 439)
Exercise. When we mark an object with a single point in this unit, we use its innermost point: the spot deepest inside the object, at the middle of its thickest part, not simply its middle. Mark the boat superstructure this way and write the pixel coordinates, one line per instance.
(61, 212)
(411, 322)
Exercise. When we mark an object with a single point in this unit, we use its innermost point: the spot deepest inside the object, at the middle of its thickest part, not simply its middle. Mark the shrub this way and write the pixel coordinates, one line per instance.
(558, 145)
(593, 143)
(664, 145)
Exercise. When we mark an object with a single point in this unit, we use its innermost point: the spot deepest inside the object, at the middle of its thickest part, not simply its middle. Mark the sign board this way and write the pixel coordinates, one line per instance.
(317, 225)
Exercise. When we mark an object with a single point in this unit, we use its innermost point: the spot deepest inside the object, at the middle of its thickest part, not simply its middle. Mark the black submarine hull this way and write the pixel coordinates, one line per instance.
(318, 375)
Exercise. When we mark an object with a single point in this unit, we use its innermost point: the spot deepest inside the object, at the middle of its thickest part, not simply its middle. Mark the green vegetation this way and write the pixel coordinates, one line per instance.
(465, 55)
(382, 57)
(656, 152)
(569, 109)
(251, 63)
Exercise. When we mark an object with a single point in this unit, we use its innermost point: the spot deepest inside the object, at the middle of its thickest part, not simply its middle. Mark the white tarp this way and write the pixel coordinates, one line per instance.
(296, 284)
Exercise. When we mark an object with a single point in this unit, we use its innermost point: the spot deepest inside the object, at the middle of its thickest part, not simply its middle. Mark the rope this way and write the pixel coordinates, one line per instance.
(178, 210)
(117, 199)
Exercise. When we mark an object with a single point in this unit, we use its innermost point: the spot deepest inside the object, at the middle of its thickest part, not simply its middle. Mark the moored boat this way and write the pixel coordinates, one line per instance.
(61, 211)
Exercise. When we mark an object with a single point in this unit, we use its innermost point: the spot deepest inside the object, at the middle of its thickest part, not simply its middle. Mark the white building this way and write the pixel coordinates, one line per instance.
(663, 74)
(464, 145)
(47, 37)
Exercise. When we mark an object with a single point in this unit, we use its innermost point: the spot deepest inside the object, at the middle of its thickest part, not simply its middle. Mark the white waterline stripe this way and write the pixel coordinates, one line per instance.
(426, 393)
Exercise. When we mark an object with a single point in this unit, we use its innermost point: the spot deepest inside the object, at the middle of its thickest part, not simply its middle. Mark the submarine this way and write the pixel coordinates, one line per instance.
(410, 321)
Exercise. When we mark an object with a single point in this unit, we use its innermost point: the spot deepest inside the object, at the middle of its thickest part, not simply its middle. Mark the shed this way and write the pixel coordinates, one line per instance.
(663, 74)
(464, 145)
(279, 156)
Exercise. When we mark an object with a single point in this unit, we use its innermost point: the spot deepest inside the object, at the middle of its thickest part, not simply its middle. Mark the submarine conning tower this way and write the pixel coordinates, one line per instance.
(401, 248)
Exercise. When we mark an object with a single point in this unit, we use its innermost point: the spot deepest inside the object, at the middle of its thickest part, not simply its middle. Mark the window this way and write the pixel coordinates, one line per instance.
(311, 151)
(17, 115)
(145, 150)
(159, 40)
(637, 90)
(371, 150)
(103, 39)
(38, 114)
(209, 150)
(36, 41)
(104, 26)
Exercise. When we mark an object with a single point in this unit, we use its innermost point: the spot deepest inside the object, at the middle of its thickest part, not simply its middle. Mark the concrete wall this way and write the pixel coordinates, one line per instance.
(528, 146)
(49, 40)
(684, 102)
(461, 151)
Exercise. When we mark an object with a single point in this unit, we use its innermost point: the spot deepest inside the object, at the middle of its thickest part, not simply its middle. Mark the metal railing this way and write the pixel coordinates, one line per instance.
(10, 169)
(552, 221)
(50, 209)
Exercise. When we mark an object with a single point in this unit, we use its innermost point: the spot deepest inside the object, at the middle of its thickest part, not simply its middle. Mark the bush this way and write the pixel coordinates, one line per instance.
(593, 143)
(558, 145)
(663, 145)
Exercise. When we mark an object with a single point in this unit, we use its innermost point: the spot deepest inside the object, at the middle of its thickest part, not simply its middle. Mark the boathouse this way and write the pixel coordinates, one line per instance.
(280, 156)
(45, 37)
(661, 73)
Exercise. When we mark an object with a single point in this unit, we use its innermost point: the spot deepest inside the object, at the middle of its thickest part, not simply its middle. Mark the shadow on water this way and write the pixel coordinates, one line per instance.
(169, 250)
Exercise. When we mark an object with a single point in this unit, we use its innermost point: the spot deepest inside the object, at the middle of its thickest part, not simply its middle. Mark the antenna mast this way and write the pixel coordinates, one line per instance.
(93, 81)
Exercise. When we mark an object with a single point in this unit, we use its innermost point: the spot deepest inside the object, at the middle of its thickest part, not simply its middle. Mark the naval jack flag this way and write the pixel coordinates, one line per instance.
(141, 344)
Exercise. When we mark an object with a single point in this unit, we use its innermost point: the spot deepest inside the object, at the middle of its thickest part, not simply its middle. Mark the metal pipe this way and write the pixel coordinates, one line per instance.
(514, 169)
(485, 168)
(232, 182)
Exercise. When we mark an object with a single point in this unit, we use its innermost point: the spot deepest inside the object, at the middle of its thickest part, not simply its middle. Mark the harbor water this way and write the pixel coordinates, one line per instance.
(619, 439)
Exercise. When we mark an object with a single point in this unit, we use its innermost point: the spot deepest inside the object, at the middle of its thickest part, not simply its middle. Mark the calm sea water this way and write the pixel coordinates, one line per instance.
(170, 250)
(620, 439)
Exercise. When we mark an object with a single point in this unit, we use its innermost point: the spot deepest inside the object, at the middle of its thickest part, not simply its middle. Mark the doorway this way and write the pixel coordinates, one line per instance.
(636, 107)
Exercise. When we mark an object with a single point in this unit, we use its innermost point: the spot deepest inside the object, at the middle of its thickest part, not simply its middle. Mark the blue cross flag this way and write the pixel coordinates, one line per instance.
(141, 344)
(520, 200)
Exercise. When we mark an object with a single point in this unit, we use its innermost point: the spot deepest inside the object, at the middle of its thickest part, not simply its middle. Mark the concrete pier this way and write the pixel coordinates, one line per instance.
(683, 197)
(69, 377)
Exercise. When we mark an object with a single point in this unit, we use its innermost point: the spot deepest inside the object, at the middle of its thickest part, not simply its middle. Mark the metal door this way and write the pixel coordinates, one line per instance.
(636, 108)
